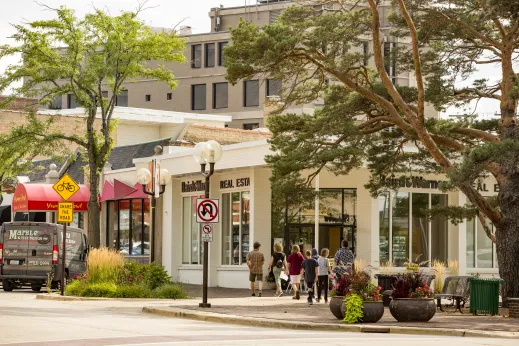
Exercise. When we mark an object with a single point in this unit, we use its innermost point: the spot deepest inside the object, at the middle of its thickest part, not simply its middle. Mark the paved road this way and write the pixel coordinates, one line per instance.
(27, 321)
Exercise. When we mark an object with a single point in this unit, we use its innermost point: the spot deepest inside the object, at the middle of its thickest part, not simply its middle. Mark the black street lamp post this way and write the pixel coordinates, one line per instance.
(206, 153)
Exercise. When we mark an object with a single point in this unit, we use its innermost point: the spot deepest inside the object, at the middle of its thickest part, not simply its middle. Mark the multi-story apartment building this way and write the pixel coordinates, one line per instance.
(203, 87)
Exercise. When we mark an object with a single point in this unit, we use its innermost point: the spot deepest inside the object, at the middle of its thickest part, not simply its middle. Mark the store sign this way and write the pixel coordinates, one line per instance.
(193, 186)
(410, 182)
(231, 184)
(483, 187)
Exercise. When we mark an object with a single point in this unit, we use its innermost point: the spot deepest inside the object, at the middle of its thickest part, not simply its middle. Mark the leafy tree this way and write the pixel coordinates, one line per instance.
(100, 53)
(369, 117)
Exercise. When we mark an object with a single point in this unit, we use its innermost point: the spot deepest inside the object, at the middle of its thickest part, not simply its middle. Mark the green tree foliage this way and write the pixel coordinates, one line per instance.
(317, 47)
(82, 57)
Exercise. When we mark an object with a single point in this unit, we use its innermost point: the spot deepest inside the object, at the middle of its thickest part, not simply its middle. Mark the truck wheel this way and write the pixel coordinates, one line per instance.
(36, 287)
(7, 285)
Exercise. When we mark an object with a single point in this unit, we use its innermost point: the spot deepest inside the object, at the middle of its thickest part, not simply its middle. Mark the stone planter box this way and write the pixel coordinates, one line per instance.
(412, 309)
(337, 306)
(373, 311)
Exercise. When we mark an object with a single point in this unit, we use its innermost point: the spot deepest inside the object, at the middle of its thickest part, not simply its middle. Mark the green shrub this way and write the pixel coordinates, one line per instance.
(101, 289)
(133, 291)
(354, 309)
(155, 275)
(75, 288)
(134, 269)
(104, 265)
(170, 291)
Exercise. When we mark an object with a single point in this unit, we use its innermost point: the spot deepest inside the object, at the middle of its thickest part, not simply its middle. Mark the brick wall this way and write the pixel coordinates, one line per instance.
(513, 304)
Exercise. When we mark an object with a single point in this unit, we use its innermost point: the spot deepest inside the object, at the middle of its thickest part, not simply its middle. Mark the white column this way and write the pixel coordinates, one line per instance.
(167, 230)
(462, 238)
(317, 211)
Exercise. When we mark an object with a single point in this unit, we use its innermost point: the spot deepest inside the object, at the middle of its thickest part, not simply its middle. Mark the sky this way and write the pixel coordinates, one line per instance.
(160, 13)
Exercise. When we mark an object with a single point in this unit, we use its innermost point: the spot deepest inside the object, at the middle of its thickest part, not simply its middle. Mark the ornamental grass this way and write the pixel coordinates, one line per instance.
(104, 265)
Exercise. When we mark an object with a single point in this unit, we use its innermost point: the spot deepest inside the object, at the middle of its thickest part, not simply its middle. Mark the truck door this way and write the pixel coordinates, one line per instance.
(39, 251)
(15, 248)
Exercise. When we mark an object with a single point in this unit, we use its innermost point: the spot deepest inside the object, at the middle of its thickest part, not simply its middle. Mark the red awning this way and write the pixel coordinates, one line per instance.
(42, 197)
(121, 191)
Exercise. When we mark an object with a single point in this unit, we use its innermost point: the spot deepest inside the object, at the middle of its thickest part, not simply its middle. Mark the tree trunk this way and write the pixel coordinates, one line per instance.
(94, 213)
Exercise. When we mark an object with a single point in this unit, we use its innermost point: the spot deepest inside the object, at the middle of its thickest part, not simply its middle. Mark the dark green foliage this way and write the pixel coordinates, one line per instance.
(155, 275)
(170, 291)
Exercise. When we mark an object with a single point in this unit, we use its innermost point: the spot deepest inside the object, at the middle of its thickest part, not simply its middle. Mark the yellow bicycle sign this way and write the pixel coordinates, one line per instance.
(66, 187)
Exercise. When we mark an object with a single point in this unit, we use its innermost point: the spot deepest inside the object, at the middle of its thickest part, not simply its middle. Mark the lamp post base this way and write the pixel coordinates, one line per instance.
(204, 305)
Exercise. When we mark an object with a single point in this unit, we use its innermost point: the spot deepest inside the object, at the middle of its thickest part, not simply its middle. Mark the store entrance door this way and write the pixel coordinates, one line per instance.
(302, 235)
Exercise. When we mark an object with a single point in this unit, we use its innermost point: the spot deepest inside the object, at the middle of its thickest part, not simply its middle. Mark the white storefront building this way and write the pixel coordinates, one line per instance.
(391, 227)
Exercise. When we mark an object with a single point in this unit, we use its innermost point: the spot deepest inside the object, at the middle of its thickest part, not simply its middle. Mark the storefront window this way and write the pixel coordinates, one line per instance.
(235, 219)
(428, 238)
(480, 249)
(383, 212)
(471, 244)
(439, 230)
(420, 227)
(400, 222)
(128, 226)
(192, 250)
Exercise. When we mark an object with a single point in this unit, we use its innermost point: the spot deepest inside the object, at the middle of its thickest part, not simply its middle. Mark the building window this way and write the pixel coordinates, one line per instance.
(251, 126)
(390, 59)
(273, 87)
(251, 93)
(196, 56)
(365, 52)
(209, 54)
(405, 228)
(71, 101)
(104, 94)
(480, 249)
(221, 46)
(169, 96)
(220, 95)
(235, 227)
(122, 99)
(192, 249)
(128, 226)
(56, 103)
(148, 98)
(198, 97)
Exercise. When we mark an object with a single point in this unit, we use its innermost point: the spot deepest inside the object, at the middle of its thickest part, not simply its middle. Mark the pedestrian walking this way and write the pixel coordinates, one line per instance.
(310, 269)
(323, 271)
(343, 260)
(277, 264)
(315, 254)
(294, 269)
(255, 261)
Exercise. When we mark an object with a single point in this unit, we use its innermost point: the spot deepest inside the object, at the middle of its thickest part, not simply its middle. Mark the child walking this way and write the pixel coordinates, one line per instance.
(322, 275)
(310, 268)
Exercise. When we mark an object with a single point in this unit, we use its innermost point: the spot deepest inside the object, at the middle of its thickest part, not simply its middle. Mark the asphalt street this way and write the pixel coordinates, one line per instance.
(27, 321)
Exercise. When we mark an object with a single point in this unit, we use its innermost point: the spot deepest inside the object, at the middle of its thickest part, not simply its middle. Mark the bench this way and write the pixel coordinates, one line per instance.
(457, 290)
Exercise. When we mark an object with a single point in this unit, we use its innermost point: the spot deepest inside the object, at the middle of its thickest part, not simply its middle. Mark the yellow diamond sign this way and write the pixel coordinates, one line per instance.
(65, 212)
(66, 187)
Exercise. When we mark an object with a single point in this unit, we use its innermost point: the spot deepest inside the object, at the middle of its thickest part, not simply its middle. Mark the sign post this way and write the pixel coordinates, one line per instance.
(66, 187)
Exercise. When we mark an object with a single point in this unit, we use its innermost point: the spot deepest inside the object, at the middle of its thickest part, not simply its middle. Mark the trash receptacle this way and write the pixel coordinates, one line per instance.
(386, 281)
(484, 295)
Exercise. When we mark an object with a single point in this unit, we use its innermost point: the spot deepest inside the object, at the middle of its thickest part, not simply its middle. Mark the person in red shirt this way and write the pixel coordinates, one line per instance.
(294, 269)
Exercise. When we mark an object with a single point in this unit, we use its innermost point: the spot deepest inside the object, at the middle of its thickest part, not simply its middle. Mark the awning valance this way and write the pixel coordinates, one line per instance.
(42, 197)
(120, 190)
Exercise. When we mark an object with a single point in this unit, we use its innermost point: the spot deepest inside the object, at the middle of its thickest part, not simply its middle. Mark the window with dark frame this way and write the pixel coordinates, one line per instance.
(209, 54)
(71, 101)
(221, 46)
(390, 59)
(169, 96)
(365, 52)
(251, 93)
(196, 56)
(220, 95)
(198, 97)
(122, 99)
(273, 87)
(148, 98)
(251, 126)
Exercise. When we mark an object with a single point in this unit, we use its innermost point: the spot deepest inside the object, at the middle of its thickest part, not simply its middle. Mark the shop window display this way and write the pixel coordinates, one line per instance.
(235, 218)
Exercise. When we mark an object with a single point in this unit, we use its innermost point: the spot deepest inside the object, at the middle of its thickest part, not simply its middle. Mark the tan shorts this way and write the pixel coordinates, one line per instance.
(295, 279)
(255, 277)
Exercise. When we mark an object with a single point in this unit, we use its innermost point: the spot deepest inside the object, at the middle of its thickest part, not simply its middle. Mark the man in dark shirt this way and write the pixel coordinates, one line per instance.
(310, 268)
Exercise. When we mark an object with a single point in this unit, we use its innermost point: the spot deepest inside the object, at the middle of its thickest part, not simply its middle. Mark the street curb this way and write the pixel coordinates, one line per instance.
(57, 297)
(359, 328)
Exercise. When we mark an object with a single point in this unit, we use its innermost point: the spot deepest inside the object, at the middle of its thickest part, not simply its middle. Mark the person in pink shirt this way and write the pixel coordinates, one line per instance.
(294, 269)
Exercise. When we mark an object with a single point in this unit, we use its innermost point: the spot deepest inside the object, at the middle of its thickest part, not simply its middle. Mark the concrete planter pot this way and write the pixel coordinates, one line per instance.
(337, 306)
(373, 311)
(412, 309)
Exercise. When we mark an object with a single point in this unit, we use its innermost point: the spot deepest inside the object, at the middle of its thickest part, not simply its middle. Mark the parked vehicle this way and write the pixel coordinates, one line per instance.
(31, 253)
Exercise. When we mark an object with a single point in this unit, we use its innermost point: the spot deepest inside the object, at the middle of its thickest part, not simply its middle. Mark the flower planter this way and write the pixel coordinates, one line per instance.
(386, 281)
(373, 311)
(412, 309)
(337, 306)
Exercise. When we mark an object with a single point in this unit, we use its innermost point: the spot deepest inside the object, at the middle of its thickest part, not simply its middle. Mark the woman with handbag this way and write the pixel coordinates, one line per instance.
(278, 263)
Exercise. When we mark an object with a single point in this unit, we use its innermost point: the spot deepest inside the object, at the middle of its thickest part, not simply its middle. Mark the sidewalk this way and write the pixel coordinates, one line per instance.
(284, 312)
